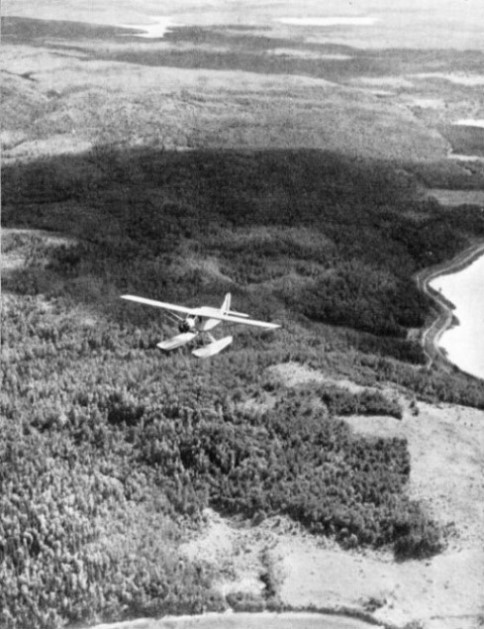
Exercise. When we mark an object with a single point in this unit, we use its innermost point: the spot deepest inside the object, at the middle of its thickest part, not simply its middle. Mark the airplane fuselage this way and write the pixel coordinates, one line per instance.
(195, 323)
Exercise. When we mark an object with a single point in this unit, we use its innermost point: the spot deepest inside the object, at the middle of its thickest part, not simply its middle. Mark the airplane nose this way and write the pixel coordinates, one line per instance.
(183, 326)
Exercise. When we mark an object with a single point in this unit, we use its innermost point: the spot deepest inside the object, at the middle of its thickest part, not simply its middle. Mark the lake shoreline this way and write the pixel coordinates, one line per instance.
(445, 317)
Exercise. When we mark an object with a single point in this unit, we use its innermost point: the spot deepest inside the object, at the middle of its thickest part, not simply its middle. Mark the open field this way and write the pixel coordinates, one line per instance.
(307, 172)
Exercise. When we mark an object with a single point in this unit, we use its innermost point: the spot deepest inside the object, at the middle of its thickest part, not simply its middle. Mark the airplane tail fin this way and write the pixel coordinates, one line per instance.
(226, 304)
(225, 308)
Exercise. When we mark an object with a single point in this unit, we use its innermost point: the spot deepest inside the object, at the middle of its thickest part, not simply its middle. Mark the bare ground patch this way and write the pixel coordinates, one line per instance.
(17, 243)
(436, 593)
(457, 197)
(49, 238)
(446, 445)
(292, 374)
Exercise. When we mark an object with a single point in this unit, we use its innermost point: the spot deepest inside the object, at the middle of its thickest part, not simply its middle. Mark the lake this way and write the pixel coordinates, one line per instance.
(433, 24)
(464, 343)
(328, 21)
(155, 29)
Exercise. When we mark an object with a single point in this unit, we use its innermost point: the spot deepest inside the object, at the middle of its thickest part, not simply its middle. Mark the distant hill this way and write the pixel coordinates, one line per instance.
(73, 88)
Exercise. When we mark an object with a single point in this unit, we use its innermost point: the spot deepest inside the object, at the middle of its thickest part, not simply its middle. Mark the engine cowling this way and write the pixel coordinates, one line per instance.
(183, 327)
(187, 325)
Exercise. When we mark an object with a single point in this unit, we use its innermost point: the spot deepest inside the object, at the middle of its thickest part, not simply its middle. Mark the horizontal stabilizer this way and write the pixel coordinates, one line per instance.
(213, 348)
(177, 341)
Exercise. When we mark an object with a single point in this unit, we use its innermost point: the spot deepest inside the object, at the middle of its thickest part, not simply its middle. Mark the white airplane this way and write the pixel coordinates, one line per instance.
(198, 320)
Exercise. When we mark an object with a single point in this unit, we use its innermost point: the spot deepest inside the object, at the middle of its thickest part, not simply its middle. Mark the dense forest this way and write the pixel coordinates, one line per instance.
(336, 238)
(103, 434)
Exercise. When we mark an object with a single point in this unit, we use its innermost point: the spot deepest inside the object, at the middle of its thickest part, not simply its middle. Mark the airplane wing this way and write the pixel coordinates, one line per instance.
(205, 312)
(158, 304)
(201, 312)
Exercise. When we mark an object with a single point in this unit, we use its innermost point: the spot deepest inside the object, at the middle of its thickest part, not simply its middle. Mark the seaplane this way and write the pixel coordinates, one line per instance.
(200, 321)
